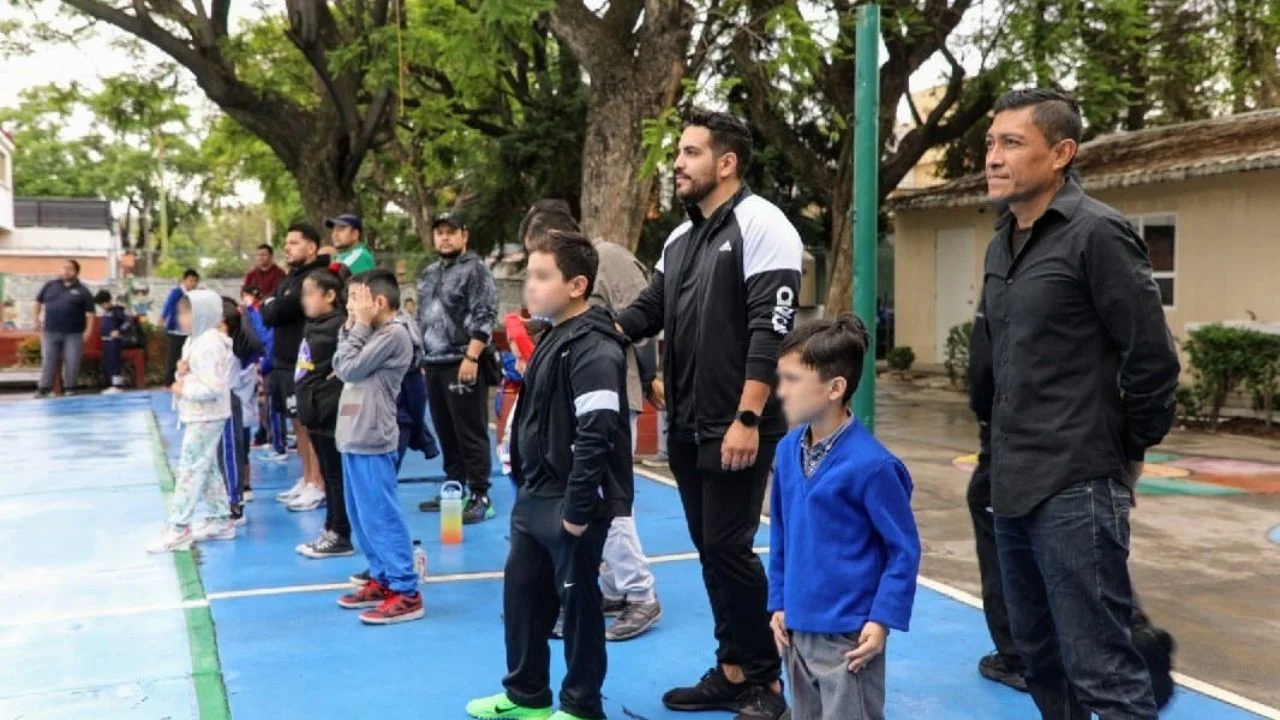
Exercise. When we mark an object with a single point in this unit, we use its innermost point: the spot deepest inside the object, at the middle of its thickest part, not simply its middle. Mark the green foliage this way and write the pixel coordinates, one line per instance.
(900, 359)
(957, 354)
(1224, 359)
(1189, 405)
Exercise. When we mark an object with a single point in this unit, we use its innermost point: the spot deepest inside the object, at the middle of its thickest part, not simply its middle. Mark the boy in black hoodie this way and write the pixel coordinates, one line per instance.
(318, 389)
(571, 460)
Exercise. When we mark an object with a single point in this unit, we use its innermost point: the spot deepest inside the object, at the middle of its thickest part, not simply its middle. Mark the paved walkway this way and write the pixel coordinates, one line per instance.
(1203, 564)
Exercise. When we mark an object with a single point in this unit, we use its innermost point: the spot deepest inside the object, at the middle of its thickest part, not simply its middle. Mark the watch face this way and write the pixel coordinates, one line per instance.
(748, 418)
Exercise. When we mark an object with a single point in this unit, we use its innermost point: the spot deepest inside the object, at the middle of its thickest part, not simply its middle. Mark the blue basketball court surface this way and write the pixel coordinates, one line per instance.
(95, 628)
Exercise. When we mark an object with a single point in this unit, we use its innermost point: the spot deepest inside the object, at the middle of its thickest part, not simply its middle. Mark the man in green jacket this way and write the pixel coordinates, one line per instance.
(352, 252)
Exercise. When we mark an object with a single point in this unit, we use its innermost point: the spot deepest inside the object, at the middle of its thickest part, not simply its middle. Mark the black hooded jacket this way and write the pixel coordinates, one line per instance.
(318, 388)
(571, 439)
(283, 312)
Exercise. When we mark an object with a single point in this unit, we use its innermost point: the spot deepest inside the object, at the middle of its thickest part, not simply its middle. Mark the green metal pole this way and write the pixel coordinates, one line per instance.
(866, 171)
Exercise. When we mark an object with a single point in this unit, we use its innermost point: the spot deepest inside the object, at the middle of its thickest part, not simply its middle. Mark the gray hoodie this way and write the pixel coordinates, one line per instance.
(372, 363)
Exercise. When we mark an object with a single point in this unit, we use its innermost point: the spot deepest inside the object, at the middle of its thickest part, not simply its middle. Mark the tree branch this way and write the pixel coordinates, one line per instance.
(372, 122)
(806, 163)
(584, 33)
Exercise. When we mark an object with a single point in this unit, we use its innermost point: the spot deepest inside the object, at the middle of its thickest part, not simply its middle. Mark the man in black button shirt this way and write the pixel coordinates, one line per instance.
(68, 320)
(1085, 372)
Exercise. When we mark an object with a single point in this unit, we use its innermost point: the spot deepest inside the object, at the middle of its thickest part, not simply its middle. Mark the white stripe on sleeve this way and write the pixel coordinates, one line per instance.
(595, 400)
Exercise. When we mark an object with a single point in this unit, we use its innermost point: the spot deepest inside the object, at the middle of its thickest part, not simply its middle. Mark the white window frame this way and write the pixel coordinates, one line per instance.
(1139, 223)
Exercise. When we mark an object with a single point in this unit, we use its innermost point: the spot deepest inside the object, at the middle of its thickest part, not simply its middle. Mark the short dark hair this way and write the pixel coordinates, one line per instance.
(835, 348)
(574, 255)
(546, 216)
(101, 297)
(251, 290)
(307, 231)
(231, 316)
(190, 273)
(75, 264)
(267, 247)
(1056, 113)
(328, 279)
(729, 134)
(381, 283)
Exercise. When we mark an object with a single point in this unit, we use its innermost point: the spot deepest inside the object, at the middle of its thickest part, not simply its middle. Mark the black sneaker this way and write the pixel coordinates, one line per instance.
(41, 394)
(1003, 669)
(762, 703)
(360, 579)
(477, 509)
(636, 619)
(329, 545)
(432, 505)
(713, 692)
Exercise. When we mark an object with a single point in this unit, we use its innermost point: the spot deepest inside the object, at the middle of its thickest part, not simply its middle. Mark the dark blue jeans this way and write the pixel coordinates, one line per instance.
(1066, 583)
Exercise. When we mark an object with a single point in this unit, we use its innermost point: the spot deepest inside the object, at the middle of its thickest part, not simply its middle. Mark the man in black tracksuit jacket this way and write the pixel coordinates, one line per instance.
(571, 460)
(724, 295)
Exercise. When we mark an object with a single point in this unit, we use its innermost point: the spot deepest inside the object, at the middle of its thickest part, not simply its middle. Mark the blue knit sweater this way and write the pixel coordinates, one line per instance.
(844, 547)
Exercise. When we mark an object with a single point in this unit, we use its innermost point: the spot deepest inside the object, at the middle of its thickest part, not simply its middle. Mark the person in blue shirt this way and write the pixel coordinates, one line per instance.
(844, 549)
(111, 327)
(173, 332)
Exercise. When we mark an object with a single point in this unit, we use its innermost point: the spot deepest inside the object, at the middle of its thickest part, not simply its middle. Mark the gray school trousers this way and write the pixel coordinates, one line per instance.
(822, 688)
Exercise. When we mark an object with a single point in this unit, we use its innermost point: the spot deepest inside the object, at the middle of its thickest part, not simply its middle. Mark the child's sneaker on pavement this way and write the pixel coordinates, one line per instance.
(247, 495)
(371, 594)
(397, 608)
(215, 530)
(329, 545)
(636, 619)
(477, 509)
(500, 707)
(613, 607)
(359, 579)
(172, 540)
(311, 498)
(270, 455)
(288, 495)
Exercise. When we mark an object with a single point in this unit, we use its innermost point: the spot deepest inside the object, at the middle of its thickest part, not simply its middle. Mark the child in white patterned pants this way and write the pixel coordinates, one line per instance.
(202, 393)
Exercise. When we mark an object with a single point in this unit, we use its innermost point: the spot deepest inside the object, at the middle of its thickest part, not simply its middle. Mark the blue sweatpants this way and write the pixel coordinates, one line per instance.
(369, 486)
(231, 451)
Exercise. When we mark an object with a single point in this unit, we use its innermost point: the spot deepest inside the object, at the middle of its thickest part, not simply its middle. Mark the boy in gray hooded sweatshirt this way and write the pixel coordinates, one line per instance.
(374, 352)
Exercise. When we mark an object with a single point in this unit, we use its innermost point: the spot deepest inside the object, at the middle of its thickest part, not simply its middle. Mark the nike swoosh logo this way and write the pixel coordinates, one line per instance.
(499, 709)
(568, 585)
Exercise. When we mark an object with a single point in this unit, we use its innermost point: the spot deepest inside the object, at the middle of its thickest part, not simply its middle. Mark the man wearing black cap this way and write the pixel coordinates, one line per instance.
(347, 239)
(457, 308)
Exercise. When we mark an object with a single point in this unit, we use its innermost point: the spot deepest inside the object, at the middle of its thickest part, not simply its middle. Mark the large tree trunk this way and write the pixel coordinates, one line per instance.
(635, 69)
(614, 199)
(840, 268)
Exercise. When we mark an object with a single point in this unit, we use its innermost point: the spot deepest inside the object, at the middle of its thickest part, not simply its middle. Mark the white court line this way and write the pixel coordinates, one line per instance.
(76, 616)
(955, 593)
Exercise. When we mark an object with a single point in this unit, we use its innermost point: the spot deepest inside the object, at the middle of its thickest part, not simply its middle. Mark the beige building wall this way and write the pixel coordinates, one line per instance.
(1227, 252)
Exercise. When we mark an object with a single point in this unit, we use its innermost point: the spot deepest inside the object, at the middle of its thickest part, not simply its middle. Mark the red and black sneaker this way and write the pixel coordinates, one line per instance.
(371, 594)
(396, 608)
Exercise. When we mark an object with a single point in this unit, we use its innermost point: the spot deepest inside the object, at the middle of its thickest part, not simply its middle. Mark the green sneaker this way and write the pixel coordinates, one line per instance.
(562, 715)
(500, 707)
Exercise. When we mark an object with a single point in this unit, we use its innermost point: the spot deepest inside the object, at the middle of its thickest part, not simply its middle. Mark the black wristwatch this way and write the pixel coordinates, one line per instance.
(748, 418)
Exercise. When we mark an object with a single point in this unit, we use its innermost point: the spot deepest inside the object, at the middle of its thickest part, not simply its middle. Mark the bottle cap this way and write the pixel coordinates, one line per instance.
(417, 542)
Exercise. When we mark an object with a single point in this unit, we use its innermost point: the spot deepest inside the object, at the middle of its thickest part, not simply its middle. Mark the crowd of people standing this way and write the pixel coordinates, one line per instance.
(1073, 373)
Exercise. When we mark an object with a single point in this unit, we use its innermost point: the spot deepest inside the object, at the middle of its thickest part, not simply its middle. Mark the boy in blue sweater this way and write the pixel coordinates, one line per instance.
(844, 551)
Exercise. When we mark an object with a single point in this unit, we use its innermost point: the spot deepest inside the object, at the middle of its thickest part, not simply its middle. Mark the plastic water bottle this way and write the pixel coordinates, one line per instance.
(451, 513)
(419, 561)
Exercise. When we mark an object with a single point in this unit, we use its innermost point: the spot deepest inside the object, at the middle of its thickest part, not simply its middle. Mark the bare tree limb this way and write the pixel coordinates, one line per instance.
(584, 33)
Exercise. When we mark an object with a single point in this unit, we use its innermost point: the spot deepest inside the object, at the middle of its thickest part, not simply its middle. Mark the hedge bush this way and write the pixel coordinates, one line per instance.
(1225, 360)
(957, 354)
(901, 359)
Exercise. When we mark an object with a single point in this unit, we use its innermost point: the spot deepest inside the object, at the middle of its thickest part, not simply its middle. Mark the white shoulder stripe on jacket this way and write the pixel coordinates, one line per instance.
(769, 240)
(681, 229)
